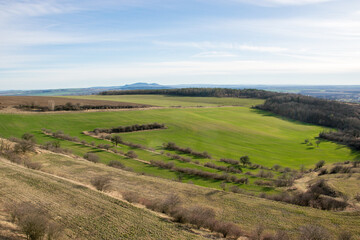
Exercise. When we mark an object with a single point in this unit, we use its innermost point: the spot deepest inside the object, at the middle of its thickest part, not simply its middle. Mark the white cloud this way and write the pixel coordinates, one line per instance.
(223, 45)
(214, 54)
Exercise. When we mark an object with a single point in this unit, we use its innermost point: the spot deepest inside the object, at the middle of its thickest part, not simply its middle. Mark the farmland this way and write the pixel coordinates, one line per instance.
(224, 128)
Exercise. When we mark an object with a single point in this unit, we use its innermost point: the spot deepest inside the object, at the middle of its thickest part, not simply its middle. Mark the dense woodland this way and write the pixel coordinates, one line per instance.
(200, 92)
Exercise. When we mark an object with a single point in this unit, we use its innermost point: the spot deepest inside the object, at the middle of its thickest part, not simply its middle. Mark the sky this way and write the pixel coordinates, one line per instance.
(68, 44)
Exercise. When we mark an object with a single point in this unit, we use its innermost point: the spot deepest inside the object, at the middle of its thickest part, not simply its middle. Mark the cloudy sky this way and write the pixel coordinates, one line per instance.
(81, 43)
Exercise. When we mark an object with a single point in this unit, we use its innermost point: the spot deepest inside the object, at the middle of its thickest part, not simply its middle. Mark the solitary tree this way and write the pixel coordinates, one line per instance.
(116, 139)
(245, 160)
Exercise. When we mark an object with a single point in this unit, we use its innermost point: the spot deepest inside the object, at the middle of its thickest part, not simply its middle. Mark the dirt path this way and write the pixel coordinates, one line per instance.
(302, 184)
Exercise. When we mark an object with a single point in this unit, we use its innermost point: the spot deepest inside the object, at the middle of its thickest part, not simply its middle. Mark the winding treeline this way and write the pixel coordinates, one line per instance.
(342, 116)
(199, 92)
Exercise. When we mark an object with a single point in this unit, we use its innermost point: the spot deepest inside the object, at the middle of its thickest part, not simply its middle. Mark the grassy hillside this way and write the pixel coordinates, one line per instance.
(224, 132)
(85, 213)
(247, 211)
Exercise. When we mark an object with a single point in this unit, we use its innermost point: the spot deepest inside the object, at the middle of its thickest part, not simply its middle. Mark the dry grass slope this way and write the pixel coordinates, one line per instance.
(86, 214)
(245, 210)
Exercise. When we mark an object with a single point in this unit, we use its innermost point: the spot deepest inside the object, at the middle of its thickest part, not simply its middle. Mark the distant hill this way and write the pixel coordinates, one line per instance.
(81, 91)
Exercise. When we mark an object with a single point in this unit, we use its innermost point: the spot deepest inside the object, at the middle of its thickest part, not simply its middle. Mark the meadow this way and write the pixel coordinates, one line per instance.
(224, 132)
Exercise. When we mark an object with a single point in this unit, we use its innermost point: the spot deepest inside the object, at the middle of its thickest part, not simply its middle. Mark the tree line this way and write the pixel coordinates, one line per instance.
(71, 107)
(199, 92)
(132, 128)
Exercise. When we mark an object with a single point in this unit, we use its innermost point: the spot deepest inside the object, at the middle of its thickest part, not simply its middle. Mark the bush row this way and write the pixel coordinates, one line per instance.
(172, 146)
(319, 195)
(223, 168)
(200, 173)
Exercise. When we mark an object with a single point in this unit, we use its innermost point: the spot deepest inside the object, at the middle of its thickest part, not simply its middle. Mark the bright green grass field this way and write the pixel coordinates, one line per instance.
(224, 132)
(169, 101)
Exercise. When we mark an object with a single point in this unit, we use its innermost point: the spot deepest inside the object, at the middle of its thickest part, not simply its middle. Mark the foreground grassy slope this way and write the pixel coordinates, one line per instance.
(169, 101)
(247, 211)
(86, 214)
(228, 132)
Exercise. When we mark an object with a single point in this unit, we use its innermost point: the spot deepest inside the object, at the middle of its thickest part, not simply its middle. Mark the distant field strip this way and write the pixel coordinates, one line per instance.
(170, 101)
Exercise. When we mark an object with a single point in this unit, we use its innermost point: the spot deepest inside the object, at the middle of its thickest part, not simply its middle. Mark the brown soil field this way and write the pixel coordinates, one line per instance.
(11, 101)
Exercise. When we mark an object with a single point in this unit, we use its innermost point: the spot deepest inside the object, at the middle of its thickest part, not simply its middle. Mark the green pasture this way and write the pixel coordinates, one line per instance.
(228, 132)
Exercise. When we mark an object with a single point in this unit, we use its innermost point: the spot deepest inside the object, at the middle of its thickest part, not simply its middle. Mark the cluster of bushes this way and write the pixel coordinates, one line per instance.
(319, 195)
(16, 153)
(229, 161)
(264, 174)
(340, 168)
(33, 221)
(285, 180)
(199, 216)
(61, 135)
(72, 107)
(199, 92)
(172, 146)
(55, 146)
(116, 139)
(101, 183)
(223, 168)
(178, 157)
(199, 173)
(132, 128)
(343, 116)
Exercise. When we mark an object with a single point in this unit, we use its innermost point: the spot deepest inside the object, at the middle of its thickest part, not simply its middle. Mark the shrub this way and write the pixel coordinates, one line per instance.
(101, 183)
(32, 165)
(28, 137)
(264, 174)
(345, 235)
(236, 189)
(92, 157)
(116, 164)
(131, 154)
(130, 196)
(276, 167)
(319, 164)
(33, 221)
(245, 160)
(34, 226)
(313, 232)
(229, 161)
(23, 146)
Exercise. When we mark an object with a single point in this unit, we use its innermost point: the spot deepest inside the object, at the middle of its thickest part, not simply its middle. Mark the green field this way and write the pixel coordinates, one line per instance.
(171, 101)
(228, 132)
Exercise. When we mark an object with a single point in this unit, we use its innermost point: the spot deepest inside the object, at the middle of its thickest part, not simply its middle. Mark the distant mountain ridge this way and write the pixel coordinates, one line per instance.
(81, 91)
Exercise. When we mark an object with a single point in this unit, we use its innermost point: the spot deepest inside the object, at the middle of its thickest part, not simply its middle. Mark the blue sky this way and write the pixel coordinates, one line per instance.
(65, 44)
